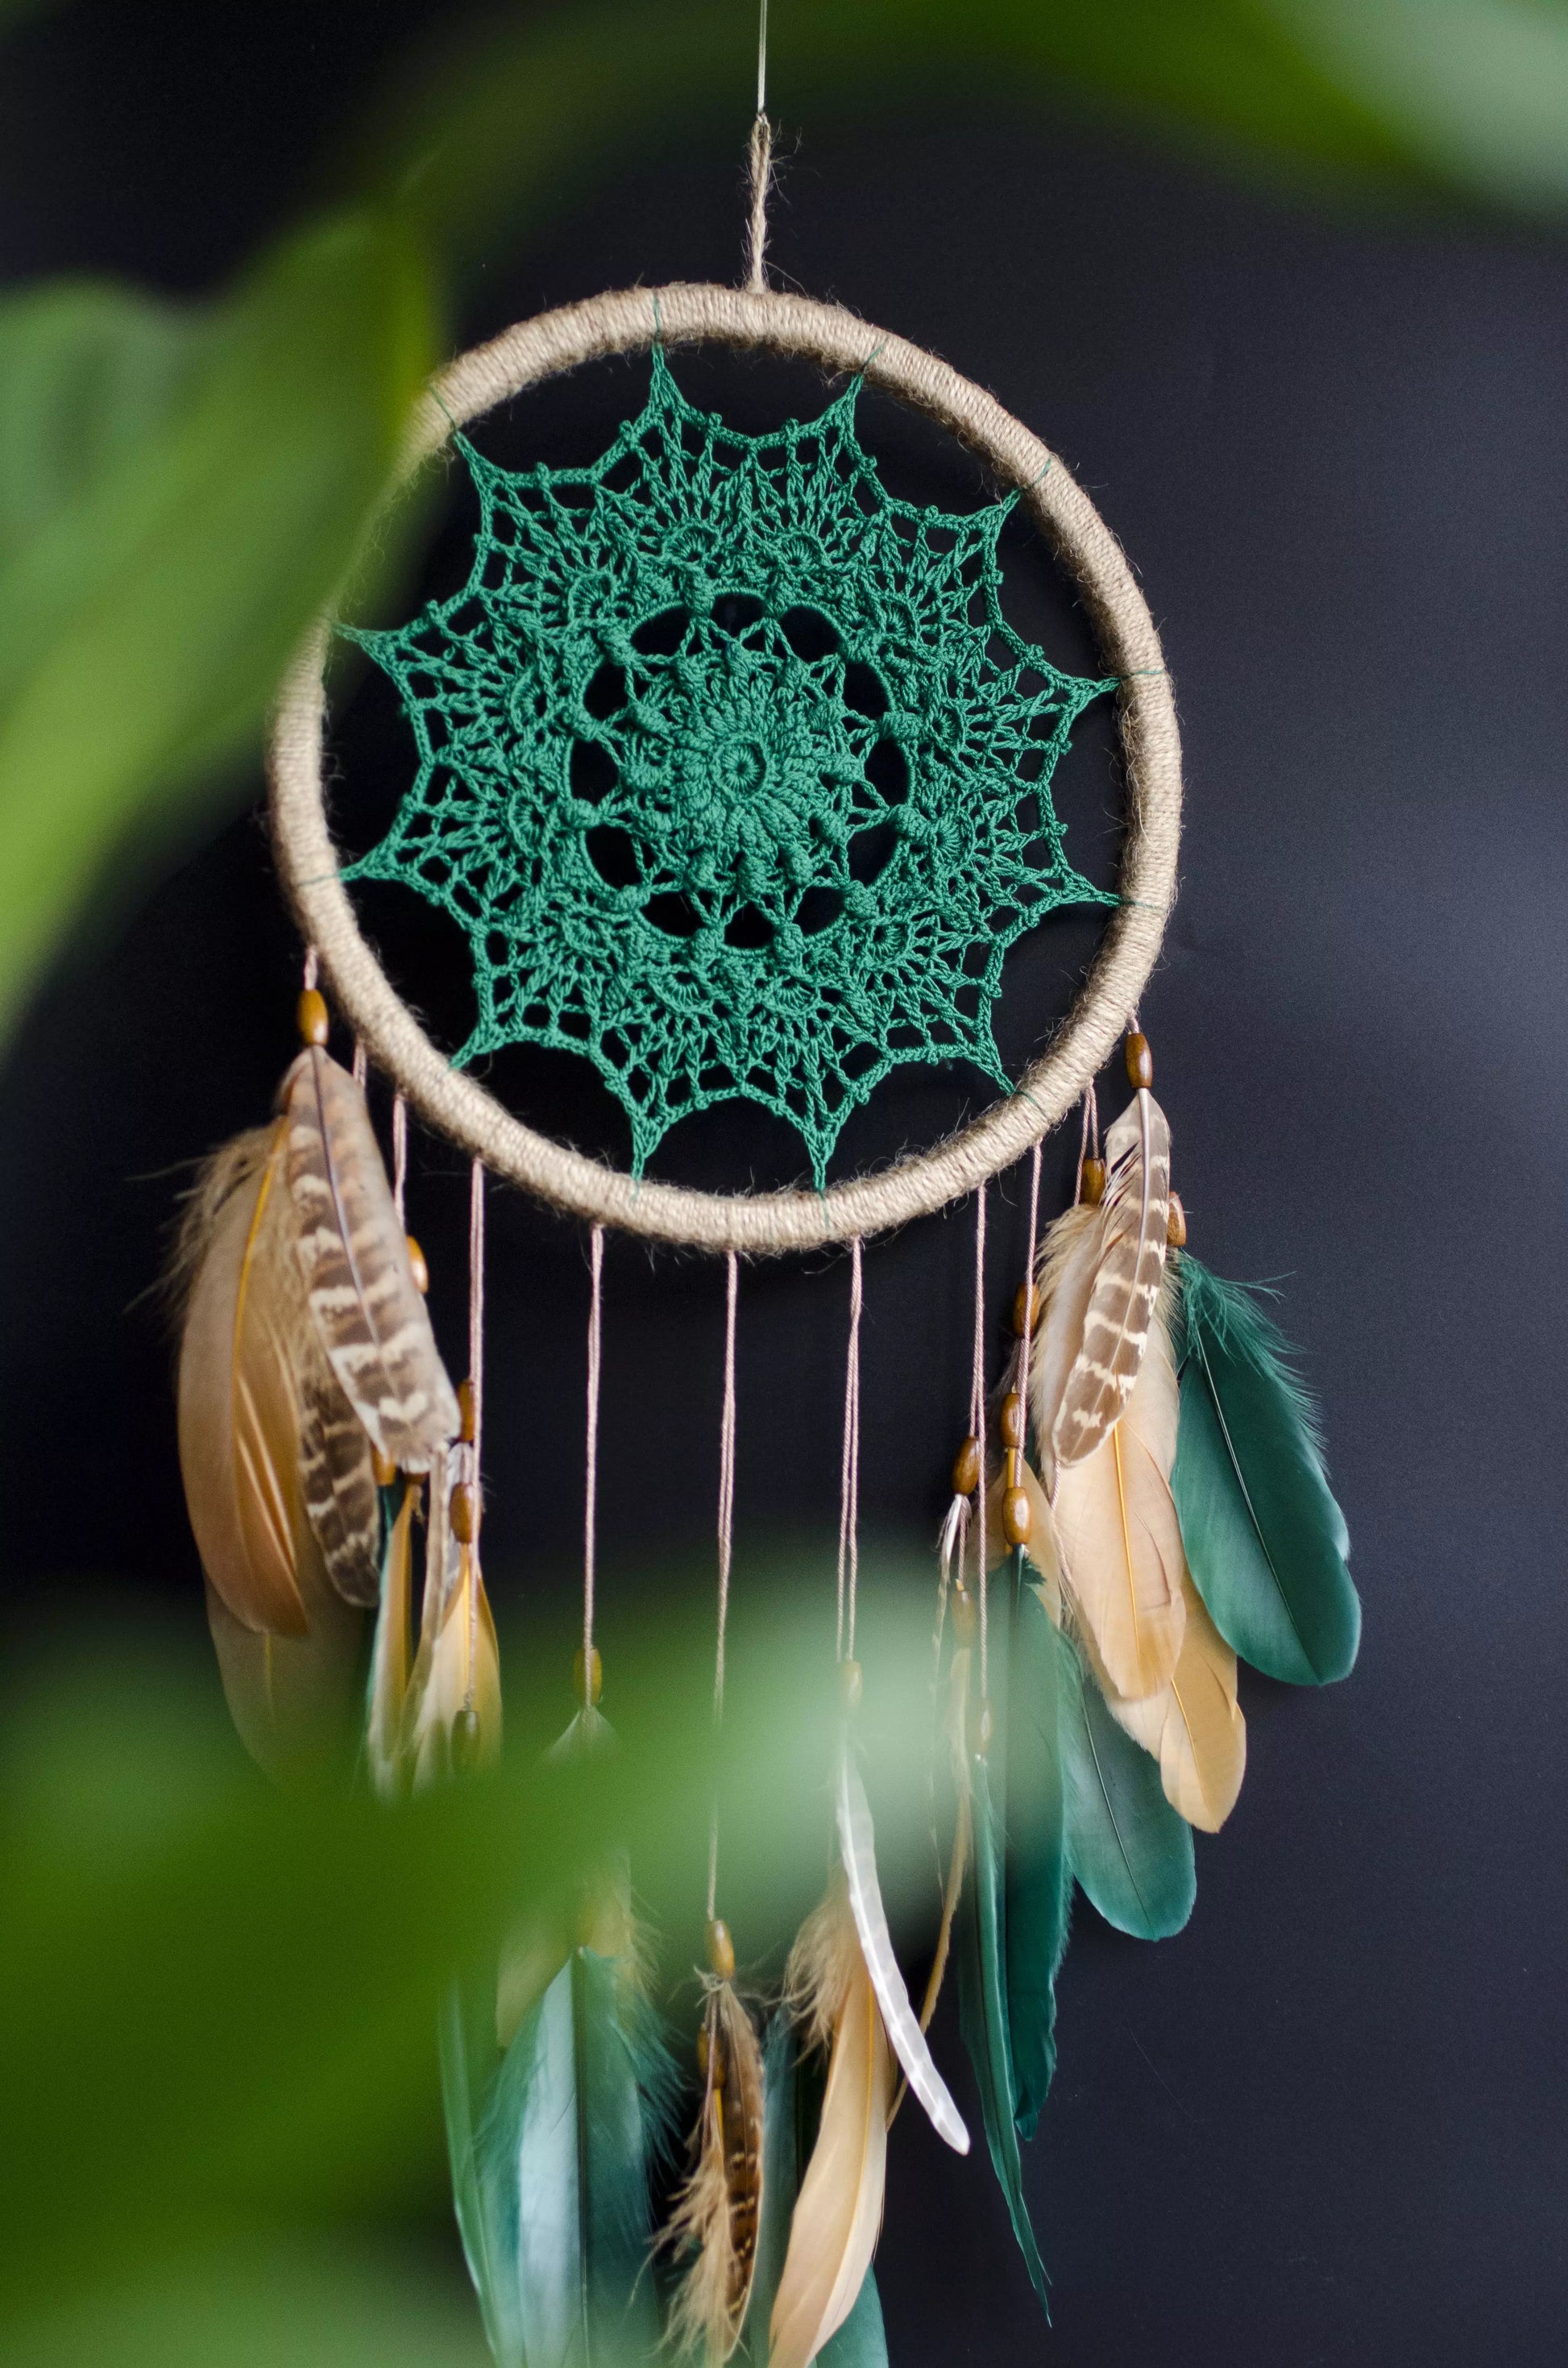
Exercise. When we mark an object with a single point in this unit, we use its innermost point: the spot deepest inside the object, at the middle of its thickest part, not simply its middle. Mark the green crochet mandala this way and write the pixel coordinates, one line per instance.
(731, 770)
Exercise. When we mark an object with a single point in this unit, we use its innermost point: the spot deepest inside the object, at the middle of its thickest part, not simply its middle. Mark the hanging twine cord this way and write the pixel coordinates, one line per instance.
(761, 165)
(726, 1544)
(1027, 1343)
(849, 1473)
(457, 1105)
(977, 1422)
(400, 1158)
(591, 1478)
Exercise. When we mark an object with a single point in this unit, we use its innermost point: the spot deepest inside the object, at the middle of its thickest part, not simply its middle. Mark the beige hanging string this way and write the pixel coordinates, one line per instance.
(1027, 1342)
(726, 1545)
(849, 1470)
(761, 165)
(400, 1158)
(591, 1461)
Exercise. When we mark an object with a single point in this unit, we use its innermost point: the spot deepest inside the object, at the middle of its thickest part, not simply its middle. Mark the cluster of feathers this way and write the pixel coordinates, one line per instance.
(315, 1415)
(1179, 1518)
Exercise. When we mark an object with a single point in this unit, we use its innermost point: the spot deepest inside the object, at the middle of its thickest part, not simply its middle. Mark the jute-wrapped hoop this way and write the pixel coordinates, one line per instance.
(760, 1223)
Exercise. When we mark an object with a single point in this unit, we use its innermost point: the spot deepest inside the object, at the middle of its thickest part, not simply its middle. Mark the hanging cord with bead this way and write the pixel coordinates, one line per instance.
(849, 1476)
(977, 1424)
(726, 1546)
(761, 165)
(1026, 1341)
(591, 1483)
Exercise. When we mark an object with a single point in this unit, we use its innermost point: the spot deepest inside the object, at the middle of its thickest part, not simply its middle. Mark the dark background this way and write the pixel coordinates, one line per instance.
(1322, 2125)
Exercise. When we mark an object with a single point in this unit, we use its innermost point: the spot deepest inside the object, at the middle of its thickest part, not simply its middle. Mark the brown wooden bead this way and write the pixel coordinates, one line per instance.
(1013, 1468)
(721, 1950)
(465, 1411)
(384, 1467)
(311, 1017)
(963, 1615)
(1016, 1519)
(465, 1514)
(1026, 1309)
(420, 1272)
(984, 1728)
(966, 1467)
(598, 1677)
(849, 1684)
(1140, 1061)
(1012, 1419)
(1092, 1188)
(1176, 1224)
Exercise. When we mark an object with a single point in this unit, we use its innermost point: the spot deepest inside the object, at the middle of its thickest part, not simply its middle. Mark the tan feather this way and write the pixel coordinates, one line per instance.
(337, 1478)
(239, 1404)
(1194, 1726)
(1117, 1536)
(1041, 1549)
(838, 2213)
(390, 1654)
(458, 1666)
(293, 1699)
(719, 2211)
(354, 1255)
(1100, 1279)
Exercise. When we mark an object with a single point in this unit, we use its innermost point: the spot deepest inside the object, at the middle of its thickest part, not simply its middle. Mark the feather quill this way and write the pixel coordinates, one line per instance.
(717, 2213)
(1266, 1542)
(1100, 1279)
(1194, 1727)
(858, 1848)
(838, 2212)
(1130, 1850)
(353, 1252)
(1115, 1532)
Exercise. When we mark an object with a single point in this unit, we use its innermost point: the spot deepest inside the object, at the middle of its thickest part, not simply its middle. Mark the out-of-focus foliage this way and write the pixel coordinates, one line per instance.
(180, 492)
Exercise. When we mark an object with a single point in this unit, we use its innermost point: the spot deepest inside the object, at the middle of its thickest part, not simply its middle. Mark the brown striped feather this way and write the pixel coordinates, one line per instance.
(354, 1255)
(1129, 1263)
(337, 1476)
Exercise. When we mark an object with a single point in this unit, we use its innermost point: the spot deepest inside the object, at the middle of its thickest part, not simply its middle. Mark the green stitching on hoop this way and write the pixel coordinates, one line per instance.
(731, 770)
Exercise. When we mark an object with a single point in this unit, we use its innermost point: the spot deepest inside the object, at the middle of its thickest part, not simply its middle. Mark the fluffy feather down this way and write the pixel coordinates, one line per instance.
(719, 2211)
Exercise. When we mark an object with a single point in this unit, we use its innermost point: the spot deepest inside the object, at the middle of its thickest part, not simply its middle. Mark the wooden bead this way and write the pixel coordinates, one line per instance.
(1139, 1061)
(311, 1017)
(1026, 1309)
(1176, 1224)
(465, 1739)
(597, 1676)
(420, 1272)
(963, 1615)
(1092, 1191)
(465, 1411)
(849, 1684)
(465, 1514)
(384, 1467)
(721, 1950)
(1016, 1519)
(984, 1728)
(966, 1467)
(1012, 1419)
(1013, 1468)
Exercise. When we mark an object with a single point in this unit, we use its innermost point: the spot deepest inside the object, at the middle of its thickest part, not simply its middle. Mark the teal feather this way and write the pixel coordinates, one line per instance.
(470, 2059)
(791, 2105)
(1265, 1542)
(558, 2173)
(1039, 1877)
(982, 2011)
(1129, 1850)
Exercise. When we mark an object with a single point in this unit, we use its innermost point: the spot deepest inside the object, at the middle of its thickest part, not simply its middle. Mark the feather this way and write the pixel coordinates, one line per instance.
(717, 2216)
(1130, 1850)
(1118, 1538)
(983, 2012)
(354, 1255)
(957, 1861)
(858, 1848)
(1193, 1725)
(239, 1402)
(292, 1698)
(458, 1666)
(790, 2106)
(838, 2212)
(1265, 1542)
(337, 1479)
(1099, 1282)
(1038, 1876)
(470, 2058)
(388, 1696)
(562, 2153)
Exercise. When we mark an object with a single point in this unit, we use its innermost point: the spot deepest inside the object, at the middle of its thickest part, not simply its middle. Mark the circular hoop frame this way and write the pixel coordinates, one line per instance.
(768, 1223)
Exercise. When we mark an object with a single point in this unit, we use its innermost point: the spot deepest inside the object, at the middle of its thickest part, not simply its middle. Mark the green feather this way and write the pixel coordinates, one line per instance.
(983, 2012)
(790, 2108)
(1130, 1850)
(1039, 1877)
(1265, 1540)
(470, 2059)
(562, 2156)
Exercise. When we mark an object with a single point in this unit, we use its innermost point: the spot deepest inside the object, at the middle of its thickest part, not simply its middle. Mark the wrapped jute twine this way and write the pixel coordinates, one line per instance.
(763, 1224)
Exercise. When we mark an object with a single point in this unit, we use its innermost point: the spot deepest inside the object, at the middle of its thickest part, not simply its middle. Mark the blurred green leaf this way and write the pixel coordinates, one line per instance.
(146, 621)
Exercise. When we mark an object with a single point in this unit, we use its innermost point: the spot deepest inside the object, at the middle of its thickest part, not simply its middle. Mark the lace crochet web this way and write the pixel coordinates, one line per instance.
(730, 769)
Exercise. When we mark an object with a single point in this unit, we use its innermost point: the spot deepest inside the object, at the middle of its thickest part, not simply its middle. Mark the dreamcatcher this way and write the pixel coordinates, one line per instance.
(679, 691)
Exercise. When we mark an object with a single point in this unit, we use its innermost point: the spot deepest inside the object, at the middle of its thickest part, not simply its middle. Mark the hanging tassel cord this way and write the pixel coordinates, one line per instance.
(850, 1473)
(977, 1425)
(726, 1548)
(591, 1459)
(761, 166)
